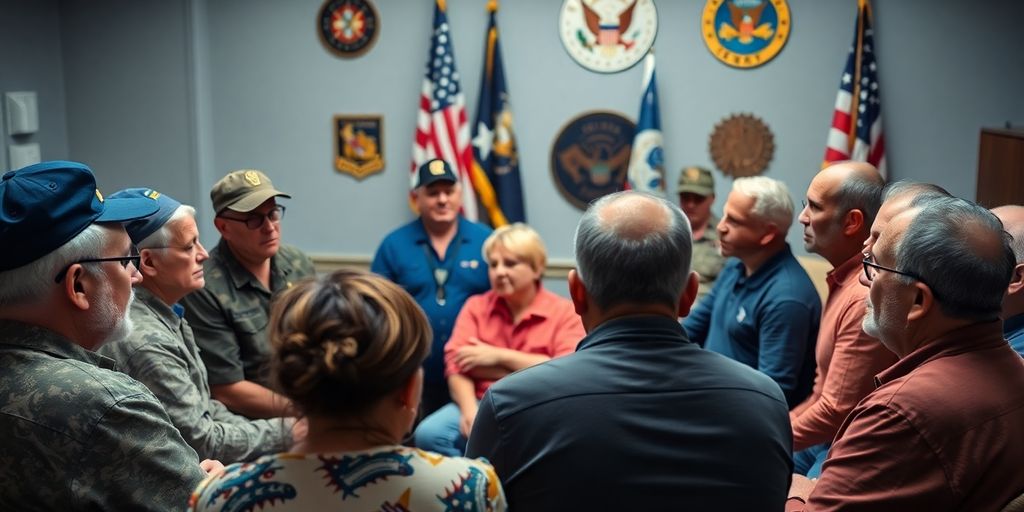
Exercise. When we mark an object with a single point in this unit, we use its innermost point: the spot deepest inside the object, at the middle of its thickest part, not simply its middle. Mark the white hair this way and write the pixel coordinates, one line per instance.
(31, 282)
(772, 202)
(162, 236)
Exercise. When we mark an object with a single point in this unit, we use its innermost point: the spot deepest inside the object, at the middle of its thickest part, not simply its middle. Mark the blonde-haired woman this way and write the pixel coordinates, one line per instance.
(514, 325)
(347, 350)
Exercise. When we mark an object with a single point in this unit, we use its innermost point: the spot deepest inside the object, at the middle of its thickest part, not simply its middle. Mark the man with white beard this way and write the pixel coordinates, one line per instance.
(74, 433)
(942, 429)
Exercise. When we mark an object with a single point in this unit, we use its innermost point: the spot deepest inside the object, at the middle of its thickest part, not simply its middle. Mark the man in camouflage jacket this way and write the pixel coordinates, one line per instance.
(163, 353)
(74, 433)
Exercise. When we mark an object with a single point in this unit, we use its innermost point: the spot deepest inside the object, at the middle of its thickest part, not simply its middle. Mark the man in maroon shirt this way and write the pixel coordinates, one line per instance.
(942, 430)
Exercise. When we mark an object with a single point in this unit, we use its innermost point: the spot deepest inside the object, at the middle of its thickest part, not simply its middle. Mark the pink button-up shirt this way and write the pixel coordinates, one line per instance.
(847, 358)
(550, 326)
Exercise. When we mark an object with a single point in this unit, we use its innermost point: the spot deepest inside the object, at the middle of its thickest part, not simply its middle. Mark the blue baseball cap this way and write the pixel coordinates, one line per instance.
(433, 171)
(139, 229)
(45, 205)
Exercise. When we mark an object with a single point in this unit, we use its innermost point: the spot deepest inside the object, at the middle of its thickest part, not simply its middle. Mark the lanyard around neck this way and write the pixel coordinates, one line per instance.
(440, 271)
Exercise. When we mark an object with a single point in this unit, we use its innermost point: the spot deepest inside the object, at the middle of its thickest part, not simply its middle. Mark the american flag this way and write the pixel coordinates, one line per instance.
(441, 127)
(856, 132)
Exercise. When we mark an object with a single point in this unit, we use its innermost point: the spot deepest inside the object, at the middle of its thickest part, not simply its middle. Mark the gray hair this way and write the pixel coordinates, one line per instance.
(899, 188)
(649, 269)
(863, 192)
(959, 250)
(1016, 233)
(31, 282)
(161, 237)
(772, 202)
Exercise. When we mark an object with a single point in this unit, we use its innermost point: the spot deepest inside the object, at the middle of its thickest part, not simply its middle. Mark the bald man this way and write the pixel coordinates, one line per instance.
(639, 417)
(1012, 217)
(841, 204)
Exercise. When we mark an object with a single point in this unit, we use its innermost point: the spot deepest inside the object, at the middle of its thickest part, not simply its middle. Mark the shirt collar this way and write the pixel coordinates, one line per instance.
(540, 307)
(968, 338)
(162, 311)
(767, 269)
(423, 237)
(650, 327)
(241, 277)
(32, 337)
(845, 271)
(1013, 324)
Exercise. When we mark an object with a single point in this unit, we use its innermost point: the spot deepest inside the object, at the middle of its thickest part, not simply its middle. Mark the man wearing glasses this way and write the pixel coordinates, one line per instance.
(74, 433)
(163, 353)
(229, 315)
(942, 429)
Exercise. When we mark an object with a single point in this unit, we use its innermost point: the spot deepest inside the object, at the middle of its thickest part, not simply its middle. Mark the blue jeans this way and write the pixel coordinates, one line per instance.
(808, 461)
(439, 432)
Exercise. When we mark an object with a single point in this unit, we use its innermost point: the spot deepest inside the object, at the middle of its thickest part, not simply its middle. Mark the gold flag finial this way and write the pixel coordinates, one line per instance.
(492, 5)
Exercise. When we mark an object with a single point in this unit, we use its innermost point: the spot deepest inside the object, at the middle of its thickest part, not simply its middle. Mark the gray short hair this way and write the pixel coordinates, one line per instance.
(899, 188)
(1016, 241)
(862, 192)
(162, 236)
(949, 246)
(772, 202)
(652, 269)
(32, 281)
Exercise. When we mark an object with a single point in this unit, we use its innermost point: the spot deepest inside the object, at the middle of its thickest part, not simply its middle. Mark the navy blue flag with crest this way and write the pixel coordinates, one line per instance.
(496, 158)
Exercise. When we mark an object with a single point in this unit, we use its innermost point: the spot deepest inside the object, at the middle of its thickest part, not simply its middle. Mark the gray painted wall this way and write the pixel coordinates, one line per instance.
(174, 94)
(130, 101)
(30, 55)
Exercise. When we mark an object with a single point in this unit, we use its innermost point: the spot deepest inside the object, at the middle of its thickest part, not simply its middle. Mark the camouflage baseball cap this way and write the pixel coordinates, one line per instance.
(243, 191)
(697, 180)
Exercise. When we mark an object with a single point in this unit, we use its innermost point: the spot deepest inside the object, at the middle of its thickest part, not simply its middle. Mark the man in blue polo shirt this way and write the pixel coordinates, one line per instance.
(438, 259)
(764, 310)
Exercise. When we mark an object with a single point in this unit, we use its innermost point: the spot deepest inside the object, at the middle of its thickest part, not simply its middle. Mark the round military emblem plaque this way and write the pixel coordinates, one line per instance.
(742, 145)
(608, 36)
(348, 27)
(590, 156)
(745, 33)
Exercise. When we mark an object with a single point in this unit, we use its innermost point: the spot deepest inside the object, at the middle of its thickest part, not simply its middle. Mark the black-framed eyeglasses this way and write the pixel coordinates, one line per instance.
(255, 220)
(871, 268)
(133, 258)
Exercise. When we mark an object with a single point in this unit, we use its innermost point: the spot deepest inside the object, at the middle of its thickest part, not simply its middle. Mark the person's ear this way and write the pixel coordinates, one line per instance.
(411, 392)
(853, 222)
(1016, 280)
(771, 232)
(146, 263)
(76, 286)
(221, 225)
(924, 301)
(689, 295)
(578, 293)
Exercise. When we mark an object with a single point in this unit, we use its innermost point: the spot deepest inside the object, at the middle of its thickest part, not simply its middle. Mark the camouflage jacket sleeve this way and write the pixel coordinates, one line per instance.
(136, 460)
(166, 374)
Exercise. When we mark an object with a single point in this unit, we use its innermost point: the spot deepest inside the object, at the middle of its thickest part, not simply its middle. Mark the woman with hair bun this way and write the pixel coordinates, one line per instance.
(347, 350)
(515, 325)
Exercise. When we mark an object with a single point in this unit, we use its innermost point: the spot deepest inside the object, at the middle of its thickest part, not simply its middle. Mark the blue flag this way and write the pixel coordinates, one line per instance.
(647, 164)
(496, 158)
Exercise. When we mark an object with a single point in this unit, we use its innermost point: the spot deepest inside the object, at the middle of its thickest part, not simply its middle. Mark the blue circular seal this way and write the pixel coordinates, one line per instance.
(745, 33)
(590, 156)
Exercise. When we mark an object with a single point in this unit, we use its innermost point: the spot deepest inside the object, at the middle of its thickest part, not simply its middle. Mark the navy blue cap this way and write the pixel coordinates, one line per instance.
(139, 229)
(433, 171)
(45, 205)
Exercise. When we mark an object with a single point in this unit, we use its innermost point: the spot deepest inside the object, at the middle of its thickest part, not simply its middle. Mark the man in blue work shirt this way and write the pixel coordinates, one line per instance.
(438, 259)
(764, 310)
